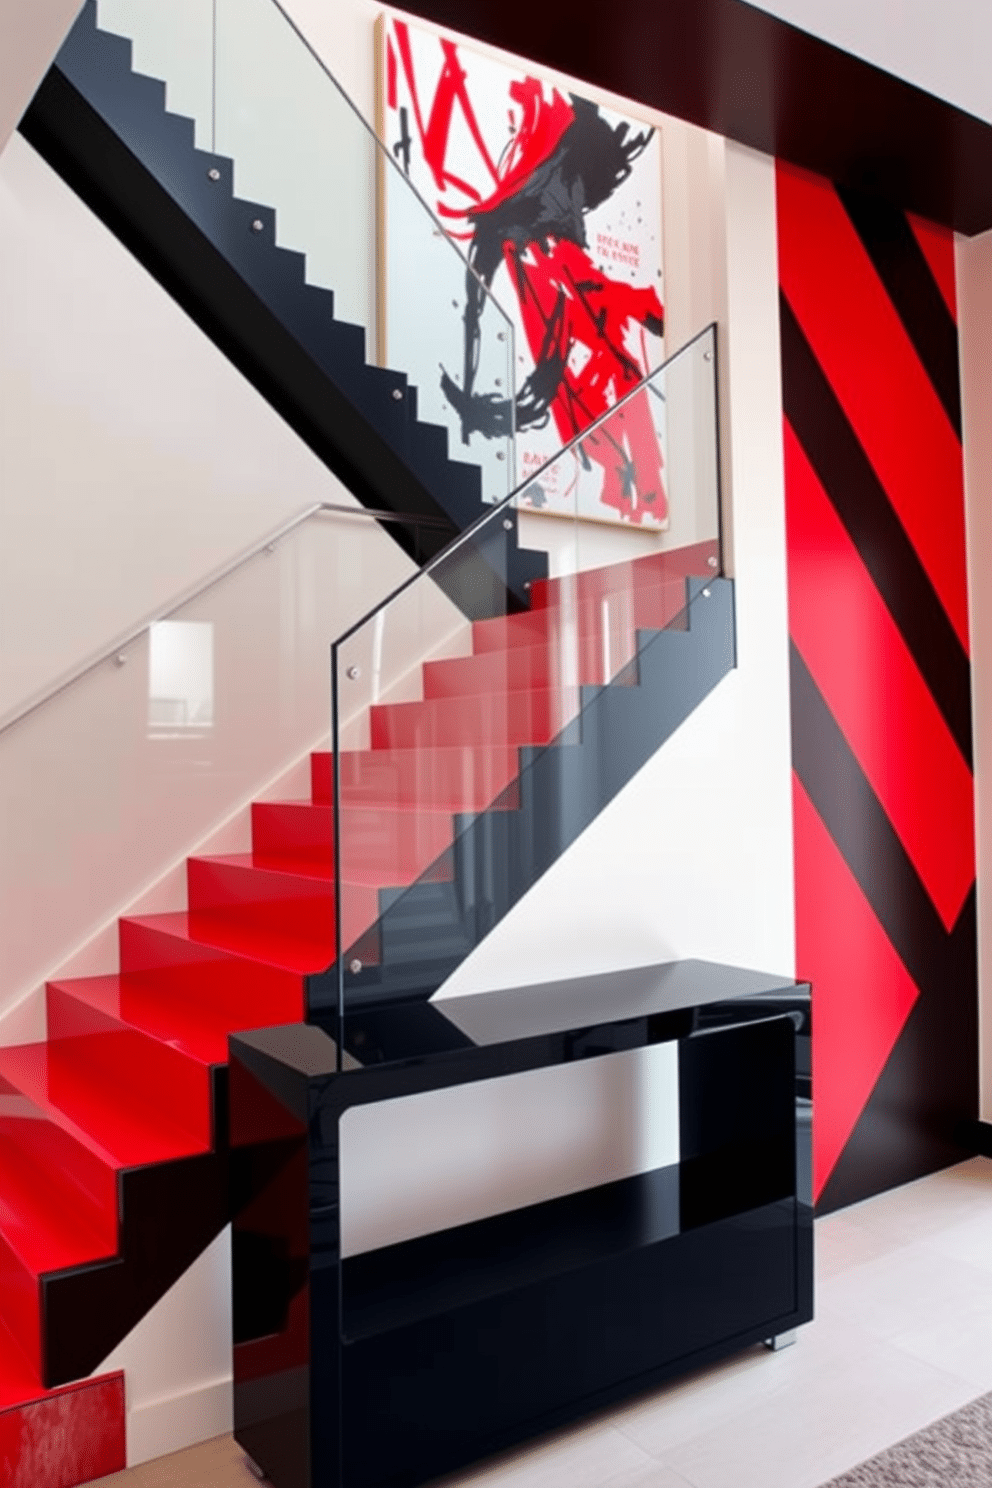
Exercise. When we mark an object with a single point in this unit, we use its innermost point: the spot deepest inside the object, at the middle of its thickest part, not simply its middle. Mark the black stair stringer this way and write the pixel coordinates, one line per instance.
(106, 131)
(168, 1213)
(424, 932)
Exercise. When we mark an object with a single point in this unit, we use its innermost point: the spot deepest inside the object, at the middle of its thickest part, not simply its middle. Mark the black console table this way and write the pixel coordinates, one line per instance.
(397, 1365)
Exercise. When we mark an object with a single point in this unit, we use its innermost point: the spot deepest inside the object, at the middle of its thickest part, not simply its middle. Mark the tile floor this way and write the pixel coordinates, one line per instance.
(903, 1335)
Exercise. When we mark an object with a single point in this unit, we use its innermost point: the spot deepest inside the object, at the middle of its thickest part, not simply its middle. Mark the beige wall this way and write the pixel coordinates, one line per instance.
(974, 268)
(134, 459)
(31, 32)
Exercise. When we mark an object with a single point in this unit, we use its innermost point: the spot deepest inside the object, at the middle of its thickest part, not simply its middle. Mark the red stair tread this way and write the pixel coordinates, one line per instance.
(55, 1079)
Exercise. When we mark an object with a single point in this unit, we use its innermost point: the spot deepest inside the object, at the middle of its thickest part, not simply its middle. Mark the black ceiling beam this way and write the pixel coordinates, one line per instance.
(729, 67)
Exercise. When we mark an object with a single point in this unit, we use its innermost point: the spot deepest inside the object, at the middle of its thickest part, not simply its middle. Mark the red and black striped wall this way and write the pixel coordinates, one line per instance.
(881, 687)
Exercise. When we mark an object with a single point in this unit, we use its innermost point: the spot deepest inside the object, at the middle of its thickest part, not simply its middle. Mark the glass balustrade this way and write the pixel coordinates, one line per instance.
(107, 782)
(477, 729)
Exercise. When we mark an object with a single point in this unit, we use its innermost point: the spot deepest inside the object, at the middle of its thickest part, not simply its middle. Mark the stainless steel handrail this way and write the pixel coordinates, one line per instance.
(115, 651)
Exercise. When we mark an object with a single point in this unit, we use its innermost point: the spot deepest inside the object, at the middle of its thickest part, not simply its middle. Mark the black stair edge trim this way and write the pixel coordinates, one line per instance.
(99, 167)
(169, 1212)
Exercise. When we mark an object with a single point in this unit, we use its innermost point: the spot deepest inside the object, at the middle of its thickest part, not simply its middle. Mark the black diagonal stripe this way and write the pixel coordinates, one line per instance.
(917, 1118)
(908, 280)
(859, 498)
(861, 830)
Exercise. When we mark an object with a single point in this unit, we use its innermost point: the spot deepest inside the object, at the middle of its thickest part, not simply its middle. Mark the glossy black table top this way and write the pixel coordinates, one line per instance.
(417, 1045)
(488, 1018)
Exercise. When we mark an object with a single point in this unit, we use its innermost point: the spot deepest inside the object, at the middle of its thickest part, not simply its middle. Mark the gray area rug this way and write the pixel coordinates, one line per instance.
(955, 1452)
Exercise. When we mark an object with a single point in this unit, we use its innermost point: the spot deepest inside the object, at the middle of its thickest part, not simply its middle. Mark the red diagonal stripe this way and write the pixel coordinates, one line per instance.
(873, 687)
(866, 355)
(937, 245)
(862, 993)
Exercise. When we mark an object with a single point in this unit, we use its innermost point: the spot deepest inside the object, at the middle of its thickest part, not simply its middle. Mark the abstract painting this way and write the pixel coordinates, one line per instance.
(555, 202)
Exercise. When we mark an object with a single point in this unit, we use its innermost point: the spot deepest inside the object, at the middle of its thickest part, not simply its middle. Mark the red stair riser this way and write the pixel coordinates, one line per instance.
(436, 779)
(293, 905)
(87, 1184)
(180, 967)
(512, 718)
(146, 1070)
(86, 1421)
(298, 833)
(383, 846)
(42, 1230)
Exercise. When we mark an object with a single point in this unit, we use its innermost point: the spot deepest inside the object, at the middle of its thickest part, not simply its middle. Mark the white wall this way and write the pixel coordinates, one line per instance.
(177, 1361)
(943, 48)
(974, 285)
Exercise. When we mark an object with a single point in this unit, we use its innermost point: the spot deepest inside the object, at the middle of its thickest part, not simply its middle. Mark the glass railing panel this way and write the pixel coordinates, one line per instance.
(262, 97)
(172, 40)
(108, 782)
(472, 718)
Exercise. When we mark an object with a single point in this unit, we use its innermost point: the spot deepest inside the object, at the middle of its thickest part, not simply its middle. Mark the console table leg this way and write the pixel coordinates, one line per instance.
(782, 1340)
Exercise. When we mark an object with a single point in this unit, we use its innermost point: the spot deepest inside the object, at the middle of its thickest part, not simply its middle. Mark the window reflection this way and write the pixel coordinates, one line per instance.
(180, 677)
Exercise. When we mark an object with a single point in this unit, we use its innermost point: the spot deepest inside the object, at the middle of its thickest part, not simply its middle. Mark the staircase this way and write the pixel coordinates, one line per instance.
(113, 1159)
(477, 771)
